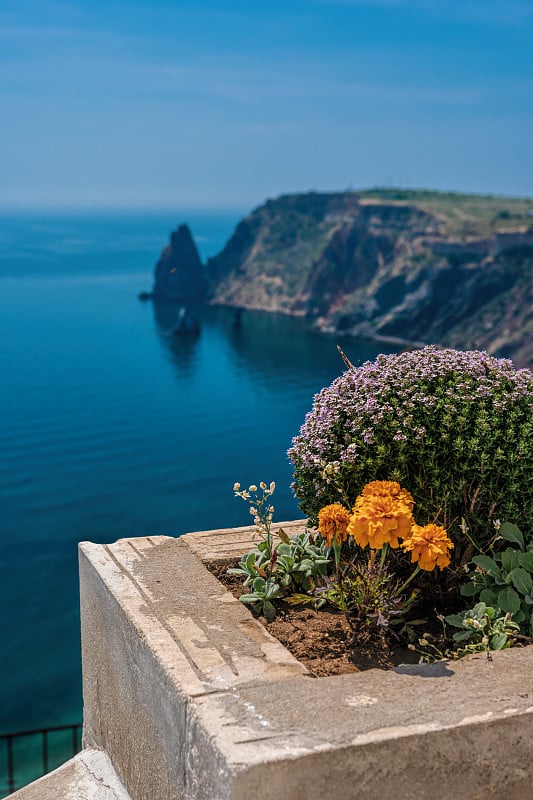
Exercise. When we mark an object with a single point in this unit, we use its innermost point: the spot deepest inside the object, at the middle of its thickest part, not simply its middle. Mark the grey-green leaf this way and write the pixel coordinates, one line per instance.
(509, 559)
(498, 641)
(511, 533)
(469, 589)
(508, 600)
(249, 598)
(462, 636)
(526, 560)
(456, 620)
(269, 611)
(521, 580)
(489, 597)
(487, 563)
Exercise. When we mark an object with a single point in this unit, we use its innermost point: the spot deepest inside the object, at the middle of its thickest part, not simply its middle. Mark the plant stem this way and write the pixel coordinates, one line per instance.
(409, 579)
(338, 572)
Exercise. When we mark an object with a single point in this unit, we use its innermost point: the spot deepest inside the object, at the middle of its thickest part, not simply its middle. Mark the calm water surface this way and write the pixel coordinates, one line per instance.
(111, 427)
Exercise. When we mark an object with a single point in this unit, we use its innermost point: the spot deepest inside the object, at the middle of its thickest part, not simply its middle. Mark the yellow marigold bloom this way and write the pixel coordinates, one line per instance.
(333, 523)
(382, 514)
(429, 546)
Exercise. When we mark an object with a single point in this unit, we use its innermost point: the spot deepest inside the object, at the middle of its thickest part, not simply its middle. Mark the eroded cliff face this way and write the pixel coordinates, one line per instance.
(360, 265)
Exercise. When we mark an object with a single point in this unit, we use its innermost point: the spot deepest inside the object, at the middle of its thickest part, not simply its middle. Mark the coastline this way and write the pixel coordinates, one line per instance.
(317, 327)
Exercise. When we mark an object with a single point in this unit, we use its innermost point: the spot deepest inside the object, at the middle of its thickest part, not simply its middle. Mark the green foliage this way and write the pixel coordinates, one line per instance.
(261, 597)
(505, 579)
(366, 591)
(296, 562)
(368, 594)
(250, 567)
(300, 562)
(482, 628)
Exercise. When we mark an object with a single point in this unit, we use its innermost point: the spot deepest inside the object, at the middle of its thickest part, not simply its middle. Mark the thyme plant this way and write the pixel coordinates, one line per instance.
(456, 427)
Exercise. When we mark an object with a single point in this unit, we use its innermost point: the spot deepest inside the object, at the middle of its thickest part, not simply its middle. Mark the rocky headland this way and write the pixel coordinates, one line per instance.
(412, 266)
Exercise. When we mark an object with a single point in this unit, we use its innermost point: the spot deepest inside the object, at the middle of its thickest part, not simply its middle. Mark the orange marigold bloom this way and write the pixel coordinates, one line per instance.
(381, 515)
(333, 523)
(388, 489)
(429, 546)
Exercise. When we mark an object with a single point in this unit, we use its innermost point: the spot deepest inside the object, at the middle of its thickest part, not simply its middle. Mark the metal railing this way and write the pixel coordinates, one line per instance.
(9, 738)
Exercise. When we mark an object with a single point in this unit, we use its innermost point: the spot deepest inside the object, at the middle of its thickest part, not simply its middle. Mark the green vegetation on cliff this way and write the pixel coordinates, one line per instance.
(465, 214)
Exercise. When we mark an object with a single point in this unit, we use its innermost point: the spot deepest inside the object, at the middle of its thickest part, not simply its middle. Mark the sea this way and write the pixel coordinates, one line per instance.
(111, 426)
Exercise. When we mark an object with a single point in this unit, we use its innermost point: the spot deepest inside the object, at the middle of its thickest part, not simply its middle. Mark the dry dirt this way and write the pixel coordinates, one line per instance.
(321, 640)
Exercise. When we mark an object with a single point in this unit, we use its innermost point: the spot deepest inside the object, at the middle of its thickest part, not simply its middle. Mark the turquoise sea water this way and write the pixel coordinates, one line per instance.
(111, 427)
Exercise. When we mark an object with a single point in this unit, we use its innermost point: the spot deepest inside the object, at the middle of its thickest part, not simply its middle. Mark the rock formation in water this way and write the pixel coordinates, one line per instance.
(414, 266)
(179, 274)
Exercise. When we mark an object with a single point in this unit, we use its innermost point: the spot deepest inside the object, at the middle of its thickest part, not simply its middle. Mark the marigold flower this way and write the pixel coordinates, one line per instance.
(429, 546)
(333, 523)
(381, 515)
(388, 489)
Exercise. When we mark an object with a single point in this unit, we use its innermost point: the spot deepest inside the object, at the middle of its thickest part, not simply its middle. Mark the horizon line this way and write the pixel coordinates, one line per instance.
(93, 208)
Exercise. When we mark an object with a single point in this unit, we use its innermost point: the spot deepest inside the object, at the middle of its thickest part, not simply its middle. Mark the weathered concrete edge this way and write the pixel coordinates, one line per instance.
(139, 680)
(90, 774)
(475, 761)
(138, 705)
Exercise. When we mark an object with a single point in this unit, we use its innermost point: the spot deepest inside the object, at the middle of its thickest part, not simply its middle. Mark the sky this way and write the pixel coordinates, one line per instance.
(220, 104)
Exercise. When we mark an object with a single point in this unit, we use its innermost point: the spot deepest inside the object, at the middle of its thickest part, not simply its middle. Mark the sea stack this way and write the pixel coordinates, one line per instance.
(179, 273)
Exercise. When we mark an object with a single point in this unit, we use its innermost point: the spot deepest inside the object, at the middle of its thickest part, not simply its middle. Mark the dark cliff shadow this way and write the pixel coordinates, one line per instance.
(180, 348)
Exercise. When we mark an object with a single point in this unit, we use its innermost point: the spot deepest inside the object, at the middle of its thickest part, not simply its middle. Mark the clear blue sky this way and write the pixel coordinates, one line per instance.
(221, 103)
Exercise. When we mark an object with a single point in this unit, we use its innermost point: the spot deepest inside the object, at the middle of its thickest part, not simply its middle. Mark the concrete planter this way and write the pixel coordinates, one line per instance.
(191, 698)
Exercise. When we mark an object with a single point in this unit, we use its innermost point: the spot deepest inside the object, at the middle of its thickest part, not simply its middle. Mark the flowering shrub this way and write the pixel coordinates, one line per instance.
(456, 427)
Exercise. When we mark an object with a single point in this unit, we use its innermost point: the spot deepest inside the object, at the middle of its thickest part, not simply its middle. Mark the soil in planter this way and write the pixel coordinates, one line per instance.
(321, 639)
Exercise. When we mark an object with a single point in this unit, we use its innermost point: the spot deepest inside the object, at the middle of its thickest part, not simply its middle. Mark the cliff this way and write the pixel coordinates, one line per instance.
(417, 266)
(179, 274)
